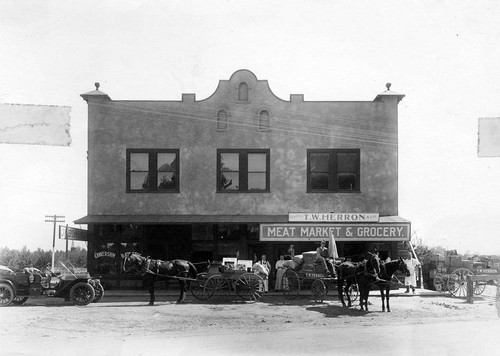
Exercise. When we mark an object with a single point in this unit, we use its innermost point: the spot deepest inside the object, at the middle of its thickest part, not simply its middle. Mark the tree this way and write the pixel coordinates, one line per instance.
(19, 259)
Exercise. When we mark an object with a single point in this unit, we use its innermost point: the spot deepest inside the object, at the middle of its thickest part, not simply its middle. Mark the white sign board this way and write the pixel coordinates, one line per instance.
(333, 217)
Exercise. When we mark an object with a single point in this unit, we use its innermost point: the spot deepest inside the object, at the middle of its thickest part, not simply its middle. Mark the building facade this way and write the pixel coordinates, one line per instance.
(240, 174)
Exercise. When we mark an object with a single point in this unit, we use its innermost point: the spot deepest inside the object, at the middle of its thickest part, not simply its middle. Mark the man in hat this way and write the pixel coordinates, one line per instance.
(322, 257)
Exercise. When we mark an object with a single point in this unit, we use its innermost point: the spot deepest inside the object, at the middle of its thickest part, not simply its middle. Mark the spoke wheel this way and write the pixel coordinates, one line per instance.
(353, 292)
(99, 293)
(318, 290)
(250, 287)
(19, 300)
(197, 287)
(82, 293)
(457, 282)
(291, 284)
(217, 286)
(6, 294)
(479, 287)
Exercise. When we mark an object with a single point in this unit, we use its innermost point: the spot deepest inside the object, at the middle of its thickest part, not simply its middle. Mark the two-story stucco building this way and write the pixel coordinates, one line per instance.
(240, 173)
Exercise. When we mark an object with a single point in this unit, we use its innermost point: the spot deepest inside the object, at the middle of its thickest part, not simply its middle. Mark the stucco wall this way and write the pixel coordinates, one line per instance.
(190, 126)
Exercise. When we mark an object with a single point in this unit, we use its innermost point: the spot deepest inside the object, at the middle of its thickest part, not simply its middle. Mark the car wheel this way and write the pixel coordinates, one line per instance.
(6, 294)
(82, 293)
(99, 292)
(19, 300)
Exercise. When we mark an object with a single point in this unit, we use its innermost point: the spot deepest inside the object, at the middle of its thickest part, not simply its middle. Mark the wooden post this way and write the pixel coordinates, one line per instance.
(470, 289)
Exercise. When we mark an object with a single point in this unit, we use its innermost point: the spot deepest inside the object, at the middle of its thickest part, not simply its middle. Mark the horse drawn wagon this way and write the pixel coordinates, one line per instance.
(304, 271)
(218, 281)
(222, 281)
(450, 273)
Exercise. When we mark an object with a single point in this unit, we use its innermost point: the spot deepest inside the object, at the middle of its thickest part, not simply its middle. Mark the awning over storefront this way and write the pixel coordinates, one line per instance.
(182, 219)
(192, 219)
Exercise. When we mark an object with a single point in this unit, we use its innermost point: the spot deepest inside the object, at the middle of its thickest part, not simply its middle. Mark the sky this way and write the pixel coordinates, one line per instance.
(443, 55)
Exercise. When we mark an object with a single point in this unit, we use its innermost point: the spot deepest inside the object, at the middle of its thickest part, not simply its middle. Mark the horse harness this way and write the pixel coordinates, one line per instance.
(153, 267)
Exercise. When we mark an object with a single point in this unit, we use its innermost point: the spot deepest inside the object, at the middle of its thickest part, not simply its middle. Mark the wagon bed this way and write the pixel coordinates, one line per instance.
(222, 282)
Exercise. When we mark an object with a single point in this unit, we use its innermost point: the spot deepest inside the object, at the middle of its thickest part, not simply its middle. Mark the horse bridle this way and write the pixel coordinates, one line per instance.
(133, 268)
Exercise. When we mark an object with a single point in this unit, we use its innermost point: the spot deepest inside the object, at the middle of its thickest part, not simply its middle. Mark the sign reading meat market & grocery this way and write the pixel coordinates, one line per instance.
(341, 232)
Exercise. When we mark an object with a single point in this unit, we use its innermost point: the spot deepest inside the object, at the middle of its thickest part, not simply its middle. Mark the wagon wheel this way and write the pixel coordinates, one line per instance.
(457, 282)
(318, 290)
(291, 284)
(6, 294)
(250, 287)
(439, 283)
(216, 286)
(197, 287)
(479, 287)
(353, 292)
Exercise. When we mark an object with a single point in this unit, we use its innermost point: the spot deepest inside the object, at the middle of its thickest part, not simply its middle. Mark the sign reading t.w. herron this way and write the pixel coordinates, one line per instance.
(333, 217)
(341, 232)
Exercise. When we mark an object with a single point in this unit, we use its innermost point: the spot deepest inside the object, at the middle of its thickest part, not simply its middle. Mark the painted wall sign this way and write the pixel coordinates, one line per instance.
(104, 254)
(341, 232)
(333, 217)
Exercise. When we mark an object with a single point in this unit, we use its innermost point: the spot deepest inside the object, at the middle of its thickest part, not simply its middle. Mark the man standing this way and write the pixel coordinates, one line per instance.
(263, 268)
(411, 281)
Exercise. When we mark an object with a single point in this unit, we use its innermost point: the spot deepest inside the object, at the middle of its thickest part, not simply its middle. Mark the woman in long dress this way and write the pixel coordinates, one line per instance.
(280, 270)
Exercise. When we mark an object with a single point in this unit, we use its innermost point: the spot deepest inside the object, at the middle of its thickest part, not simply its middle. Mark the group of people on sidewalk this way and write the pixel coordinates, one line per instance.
(263, 266)
(325, 257)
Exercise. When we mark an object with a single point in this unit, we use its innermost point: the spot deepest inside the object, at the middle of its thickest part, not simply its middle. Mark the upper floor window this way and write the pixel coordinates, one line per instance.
(152, 170)
(333, 170)
(241, 170)
(264, 120)
(222, 120)
(243, 92)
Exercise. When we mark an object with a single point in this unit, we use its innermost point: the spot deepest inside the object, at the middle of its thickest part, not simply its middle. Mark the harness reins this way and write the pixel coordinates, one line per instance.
(152, 267)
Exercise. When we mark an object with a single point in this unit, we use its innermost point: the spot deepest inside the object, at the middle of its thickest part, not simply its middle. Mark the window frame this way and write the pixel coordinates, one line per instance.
(218, 121)
(153, 169)
(260, 122)
(333, 170)
(243, 169)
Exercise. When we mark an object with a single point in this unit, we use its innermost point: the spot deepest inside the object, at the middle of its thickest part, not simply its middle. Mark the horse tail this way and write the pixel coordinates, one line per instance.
(193, 272)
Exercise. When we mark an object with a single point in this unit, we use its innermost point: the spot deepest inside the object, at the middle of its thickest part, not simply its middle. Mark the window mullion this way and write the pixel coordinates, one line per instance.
(153, 171)
(268, 171)
(333, 171)
(243, 171)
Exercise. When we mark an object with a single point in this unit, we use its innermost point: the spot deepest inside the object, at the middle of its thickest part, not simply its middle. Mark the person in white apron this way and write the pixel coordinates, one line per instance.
(411, 281)
(263, 268)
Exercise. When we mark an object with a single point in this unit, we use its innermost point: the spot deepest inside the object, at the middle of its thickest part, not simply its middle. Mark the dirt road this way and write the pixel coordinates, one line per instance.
(275, 326)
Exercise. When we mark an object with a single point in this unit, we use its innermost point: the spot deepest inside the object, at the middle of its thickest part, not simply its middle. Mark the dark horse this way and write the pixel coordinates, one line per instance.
(152, 270)
(363, 274)
(386, 274)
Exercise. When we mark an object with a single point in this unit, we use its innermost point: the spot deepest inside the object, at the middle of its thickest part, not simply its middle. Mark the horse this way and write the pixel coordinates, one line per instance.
(386, 274)
(363, 274)
(151, 270)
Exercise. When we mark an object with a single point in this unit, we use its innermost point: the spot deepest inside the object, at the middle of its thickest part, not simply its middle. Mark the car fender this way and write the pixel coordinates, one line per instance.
(9, 282)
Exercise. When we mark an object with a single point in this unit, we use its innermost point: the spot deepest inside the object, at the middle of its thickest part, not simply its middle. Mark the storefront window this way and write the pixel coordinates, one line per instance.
(106, 256)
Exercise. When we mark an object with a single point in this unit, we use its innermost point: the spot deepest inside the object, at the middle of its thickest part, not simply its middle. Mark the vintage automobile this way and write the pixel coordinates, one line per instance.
(68, 283)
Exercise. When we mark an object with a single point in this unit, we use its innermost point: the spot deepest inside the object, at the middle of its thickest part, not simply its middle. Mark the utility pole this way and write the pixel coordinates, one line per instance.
(54, 219)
